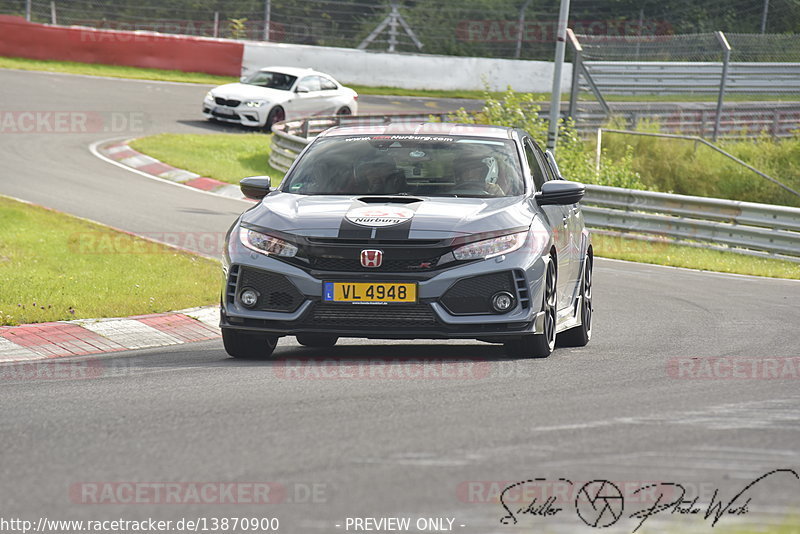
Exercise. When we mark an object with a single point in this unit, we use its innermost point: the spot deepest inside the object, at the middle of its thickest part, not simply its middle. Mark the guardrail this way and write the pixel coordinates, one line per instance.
(743, 227)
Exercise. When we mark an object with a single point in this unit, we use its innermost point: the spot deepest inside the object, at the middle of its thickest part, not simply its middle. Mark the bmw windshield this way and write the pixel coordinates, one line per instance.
(408, 165)
(271, 80)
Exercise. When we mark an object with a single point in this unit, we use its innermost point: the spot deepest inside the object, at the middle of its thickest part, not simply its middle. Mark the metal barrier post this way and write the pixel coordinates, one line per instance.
(726, 58)
(28, 10)
(576, 76)
(53, 18)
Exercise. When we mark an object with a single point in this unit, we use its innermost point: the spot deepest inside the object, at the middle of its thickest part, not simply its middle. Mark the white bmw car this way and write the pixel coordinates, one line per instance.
(274, 94)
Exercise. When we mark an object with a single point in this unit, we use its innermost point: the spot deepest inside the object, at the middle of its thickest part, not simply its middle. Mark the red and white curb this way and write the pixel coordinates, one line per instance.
(121, 153)
(94, 336)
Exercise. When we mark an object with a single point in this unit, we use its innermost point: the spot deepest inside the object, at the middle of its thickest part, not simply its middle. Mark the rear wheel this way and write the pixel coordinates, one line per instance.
(580, 335)
(276, 114)
(344, 111)
(540, 345)
(317, 340)
(248, 346)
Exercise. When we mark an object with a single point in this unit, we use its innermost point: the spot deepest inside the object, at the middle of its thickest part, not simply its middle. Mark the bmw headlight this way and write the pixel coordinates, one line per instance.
(209, 96)
(266, 244)
(489, 248)
(255, 103)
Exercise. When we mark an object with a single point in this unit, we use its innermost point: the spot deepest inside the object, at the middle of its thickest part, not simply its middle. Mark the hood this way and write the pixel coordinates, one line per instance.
(244, 91)
(412, 218)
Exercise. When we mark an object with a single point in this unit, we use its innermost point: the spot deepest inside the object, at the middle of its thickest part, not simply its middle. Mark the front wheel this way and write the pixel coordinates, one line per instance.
(276, 114)
(540, 345)
(248, 346)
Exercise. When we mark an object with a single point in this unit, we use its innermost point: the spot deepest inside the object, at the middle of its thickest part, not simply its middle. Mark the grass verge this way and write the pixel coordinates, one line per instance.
(224, 157)
(229, 157)
(56, 267)
(691, 257)
(112, 71)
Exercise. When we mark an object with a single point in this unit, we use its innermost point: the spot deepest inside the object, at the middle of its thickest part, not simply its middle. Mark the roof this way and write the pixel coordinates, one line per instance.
(428, 128)
(294, 71)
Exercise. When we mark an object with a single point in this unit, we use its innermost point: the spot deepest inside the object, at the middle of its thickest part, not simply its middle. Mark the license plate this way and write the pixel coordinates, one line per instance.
(227, 112)
(369, 292)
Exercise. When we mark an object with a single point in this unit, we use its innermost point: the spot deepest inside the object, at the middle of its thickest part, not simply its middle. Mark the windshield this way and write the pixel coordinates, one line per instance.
(408, 165)
(271, 80)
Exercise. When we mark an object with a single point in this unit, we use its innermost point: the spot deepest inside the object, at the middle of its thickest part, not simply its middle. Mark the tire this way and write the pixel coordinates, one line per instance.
(317, 340)
(580, 335)
(540, 345)
(344, 111)
(248, 346)
(276, 114)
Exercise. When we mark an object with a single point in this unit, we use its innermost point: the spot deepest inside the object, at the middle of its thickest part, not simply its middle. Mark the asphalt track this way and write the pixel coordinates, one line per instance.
(412, 445)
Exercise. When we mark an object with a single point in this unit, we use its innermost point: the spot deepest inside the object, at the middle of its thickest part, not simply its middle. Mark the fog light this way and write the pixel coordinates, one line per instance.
(502, 301)
(248, 297)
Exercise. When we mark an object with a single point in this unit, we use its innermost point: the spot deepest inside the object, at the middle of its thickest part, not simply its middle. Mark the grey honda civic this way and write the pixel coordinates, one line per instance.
(411, 231)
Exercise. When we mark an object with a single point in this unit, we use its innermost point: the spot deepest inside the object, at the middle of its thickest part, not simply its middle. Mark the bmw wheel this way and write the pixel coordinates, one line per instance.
(579, 336)
(276, 114)
(248, 346)
(540, 345)
(344, 111)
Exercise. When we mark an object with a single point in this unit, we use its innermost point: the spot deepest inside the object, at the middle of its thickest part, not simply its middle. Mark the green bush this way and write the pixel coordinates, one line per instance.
(575, 158)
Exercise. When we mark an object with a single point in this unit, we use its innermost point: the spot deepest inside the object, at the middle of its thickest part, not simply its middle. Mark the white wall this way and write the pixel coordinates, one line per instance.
(408, 71)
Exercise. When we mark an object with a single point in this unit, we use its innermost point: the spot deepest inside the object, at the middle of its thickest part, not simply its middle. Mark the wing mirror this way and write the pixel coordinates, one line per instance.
(255, 187)
(560, 192)
(301, 90)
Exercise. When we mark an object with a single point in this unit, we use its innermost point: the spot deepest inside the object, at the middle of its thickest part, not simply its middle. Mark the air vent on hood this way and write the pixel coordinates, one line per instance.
(389, 200)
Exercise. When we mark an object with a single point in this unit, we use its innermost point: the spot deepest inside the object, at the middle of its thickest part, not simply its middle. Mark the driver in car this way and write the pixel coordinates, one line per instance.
(470, 177)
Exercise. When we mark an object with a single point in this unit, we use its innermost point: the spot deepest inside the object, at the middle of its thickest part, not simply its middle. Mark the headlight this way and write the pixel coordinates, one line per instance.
(255, 103)
(488, 248)
(265, 244)
(209, 96)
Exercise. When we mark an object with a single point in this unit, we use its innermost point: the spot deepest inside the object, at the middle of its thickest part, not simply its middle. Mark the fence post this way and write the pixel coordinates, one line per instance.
(599, 150)
(776, 124)
(576, 73)
(216, 24)
(53, 19)
(267, 18)
(726, 58)
(519, 30)
(28, 10)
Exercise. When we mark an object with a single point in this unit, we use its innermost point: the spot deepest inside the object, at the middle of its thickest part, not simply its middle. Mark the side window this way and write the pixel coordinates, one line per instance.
(533, 163)
(309, 83)
(326, 84)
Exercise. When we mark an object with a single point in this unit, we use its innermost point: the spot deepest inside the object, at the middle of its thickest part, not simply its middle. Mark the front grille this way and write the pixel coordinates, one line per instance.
(346, 265)
(225, 102)
(276, 292)
(472, 295)
(360, 316)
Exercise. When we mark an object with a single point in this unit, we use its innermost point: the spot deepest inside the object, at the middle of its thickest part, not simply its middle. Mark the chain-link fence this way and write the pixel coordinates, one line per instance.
(483, 28)
(742, 84)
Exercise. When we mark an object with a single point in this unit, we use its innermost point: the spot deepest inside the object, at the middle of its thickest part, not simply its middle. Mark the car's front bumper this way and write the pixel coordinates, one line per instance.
(299, 294)
(244, 115)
